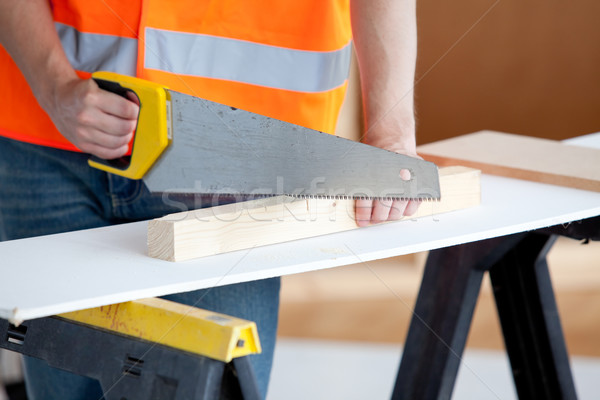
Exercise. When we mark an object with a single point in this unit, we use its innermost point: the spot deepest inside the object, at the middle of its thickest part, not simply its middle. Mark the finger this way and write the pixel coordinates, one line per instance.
(412, 207)
(115, 105)
(103, 152)
(115, 126)
(108, 141)
(93, 118)
(398, 210)
(363, 209)
(90, 140)
(381, 210)
(133, 97)
(108, 102)
(94, 112)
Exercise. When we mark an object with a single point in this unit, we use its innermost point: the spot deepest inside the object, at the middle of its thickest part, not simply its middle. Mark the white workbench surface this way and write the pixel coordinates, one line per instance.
(59, 273)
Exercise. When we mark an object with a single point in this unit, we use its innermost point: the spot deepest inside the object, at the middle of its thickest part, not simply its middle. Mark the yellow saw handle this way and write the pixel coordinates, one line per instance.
(152, 133)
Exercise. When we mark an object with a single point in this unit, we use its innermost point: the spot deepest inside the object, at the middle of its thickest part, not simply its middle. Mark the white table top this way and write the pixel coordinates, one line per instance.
(65, 272)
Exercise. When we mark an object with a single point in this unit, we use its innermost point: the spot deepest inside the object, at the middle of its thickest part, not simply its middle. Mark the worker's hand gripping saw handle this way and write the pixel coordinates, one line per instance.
(152, 133)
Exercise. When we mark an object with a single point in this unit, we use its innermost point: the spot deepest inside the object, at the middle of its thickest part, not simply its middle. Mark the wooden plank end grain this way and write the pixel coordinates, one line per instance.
(215, 230)
(521, 157)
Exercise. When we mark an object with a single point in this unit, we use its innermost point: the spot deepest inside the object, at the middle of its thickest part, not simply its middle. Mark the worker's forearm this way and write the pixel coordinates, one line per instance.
(94, 120)
(27, 32)
(385, 41)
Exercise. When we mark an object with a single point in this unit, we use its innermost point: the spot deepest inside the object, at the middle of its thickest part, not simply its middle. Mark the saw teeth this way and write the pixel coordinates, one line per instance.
(254, 196)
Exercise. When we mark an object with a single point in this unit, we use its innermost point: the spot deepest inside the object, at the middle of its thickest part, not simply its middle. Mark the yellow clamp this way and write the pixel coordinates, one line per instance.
(152, 134)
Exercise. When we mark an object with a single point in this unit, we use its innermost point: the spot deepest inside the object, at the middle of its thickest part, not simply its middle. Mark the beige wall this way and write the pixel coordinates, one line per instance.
(528, 67)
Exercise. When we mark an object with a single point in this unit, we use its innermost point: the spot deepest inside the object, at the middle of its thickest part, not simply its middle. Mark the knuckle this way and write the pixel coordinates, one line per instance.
(84, 117)
(121, 141)
(132, 110)
(89, 97)
(127, 126)
(132, 126)
(126, 109)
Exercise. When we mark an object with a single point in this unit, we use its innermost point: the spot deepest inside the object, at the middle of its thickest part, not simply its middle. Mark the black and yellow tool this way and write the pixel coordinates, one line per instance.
(146, 349)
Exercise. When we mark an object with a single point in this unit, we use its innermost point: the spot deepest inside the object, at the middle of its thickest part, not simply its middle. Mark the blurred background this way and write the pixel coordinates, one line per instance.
(526, 67)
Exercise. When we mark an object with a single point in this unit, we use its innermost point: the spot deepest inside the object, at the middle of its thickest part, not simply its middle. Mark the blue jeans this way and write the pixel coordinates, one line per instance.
(45, 190)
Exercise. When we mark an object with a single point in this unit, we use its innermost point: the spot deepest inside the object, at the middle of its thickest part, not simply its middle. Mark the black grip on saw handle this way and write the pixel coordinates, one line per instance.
(113, 87)
(152, 133)
(123, 162)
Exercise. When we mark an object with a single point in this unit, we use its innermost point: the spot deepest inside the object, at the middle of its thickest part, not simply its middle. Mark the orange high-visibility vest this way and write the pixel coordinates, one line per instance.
(285, 59)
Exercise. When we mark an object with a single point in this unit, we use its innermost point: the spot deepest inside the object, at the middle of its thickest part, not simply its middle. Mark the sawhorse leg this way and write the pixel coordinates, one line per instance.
(530, 322)
(444, 310)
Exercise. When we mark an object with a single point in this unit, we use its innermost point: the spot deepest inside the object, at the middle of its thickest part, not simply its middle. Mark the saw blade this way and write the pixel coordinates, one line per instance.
(217, 149)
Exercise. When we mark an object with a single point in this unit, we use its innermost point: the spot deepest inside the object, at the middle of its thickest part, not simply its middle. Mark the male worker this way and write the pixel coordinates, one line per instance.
(241, 53)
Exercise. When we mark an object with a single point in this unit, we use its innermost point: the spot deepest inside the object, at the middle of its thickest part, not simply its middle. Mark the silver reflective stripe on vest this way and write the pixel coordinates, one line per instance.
(92, 52)
(243, 61)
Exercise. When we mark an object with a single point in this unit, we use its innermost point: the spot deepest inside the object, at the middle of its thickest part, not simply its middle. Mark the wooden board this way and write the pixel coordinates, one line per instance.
(522, 157)
(209, 231)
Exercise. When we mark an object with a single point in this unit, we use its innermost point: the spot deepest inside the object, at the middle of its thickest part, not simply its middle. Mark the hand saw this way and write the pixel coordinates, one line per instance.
(185, 144)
